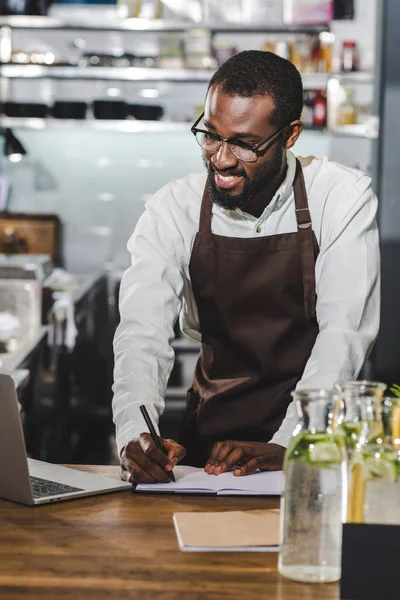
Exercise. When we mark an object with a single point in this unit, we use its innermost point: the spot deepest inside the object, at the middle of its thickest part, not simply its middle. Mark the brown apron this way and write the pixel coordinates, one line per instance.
(256, 301)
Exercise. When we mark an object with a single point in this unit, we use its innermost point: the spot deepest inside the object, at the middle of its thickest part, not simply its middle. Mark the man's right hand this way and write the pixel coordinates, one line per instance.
(143, 462)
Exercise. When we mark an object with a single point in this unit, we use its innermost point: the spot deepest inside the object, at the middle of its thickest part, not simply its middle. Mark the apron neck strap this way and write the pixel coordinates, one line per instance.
(205, 211)
(307, 242)
(303, 216)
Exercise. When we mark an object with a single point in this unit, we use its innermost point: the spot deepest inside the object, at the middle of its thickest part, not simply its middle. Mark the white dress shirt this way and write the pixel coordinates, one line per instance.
(156, 289)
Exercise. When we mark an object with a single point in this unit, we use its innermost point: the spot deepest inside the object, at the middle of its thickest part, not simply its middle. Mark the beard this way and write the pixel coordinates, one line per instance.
(251, 188)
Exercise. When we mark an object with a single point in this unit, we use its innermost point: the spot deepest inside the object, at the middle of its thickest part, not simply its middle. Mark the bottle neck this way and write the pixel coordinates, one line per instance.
(318, 415)
(372, 427)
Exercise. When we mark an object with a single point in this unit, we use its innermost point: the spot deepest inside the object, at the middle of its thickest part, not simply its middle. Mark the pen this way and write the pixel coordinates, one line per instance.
(154, 435)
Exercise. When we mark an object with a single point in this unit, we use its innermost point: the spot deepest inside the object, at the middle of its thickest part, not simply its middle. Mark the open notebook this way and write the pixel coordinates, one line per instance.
(192, 480)
(233, 531)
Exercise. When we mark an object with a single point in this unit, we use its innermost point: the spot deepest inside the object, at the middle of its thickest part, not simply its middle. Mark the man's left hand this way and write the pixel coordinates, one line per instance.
(246, 457)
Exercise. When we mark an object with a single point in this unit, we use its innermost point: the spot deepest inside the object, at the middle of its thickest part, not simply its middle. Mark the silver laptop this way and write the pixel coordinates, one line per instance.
(32, 481)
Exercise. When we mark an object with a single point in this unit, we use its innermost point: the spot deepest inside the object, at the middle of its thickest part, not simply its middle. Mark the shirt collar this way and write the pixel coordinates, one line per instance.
(282, 193)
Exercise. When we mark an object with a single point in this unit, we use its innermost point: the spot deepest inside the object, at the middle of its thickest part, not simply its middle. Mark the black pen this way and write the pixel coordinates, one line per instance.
(154, 436)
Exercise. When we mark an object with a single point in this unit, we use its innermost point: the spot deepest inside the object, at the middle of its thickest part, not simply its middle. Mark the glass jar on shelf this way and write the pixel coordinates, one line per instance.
(171, 51)
(301, 54)
(307, 113)
(313, 503)
(349, 58)
(347, 111)
(197, 49)
(320, 109)
(325, 53)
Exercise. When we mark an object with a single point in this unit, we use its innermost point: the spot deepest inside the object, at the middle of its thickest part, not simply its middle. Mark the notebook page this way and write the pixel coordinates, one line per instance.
(266, 483)
(188, 480)
(196, 481)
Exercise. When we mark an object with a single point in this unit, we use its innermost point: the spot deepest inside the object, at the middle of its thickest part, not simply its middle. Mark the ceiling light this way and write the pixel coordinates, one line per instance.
(13, 148)
(149, 93)
(113, 92)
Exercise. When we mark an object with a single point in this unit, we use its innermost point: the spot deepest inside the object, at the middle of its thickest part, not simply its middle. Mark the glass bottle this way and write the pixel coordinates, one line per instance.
(307, 114)
(374, 493)
(351, 421)
(349, 57)
(313, 504)
(347, 112)
(320, 110)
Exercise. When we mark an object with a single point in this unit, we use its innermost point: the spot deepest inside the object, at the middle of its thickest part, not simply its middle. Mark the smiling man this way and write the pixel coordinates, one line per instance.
(272, 262)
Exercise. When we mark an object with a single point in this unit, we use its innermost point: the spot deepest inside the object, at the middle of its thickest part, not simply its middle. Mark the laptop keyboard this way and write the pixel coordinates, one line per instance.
(43, 487)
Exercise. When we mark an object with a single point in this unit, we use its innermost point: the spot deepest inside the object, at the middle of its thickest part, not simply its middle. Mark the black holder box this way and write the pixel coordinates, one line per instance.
(370, 562)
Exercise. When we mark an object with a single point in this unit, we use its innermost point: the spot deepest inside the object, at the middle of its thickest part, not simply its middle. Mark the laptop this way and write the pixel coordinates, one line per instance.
(31, 481)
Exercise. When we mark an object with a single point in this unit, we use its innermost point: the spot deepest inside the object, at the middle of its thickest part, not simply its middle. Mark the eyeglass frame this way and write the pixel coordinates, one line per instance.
(221, 140)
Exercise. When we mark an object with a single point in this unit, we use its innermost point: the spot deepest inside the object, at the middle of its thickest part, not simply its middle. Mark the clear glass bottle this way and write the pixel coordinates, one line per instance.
(313, 503)
(347, 112)
(374, 493)
(352, 392)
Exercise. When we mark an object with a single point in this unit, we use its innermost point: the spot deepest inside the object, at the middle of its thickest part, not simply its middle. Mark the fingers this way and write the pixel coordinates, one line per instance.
(151, 451)
(233, 459)
(250, 467)
(218, 452)
(271, 459)
(251, 456)
(175, 453)
(143, 462)
(224, 456)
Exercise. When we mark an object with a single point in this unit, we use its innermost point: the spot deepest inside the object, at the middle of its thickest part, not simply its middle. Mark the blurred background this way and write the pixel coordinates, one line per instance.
(96, 104)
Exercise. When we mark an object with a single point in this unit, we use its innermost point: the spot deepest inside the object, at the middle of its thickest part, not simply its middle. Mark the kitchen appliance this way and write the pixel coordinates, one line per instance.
(69, 110)
(21, 284)
(110, 109)
(26, 109)
(146, 112)
(24, 7)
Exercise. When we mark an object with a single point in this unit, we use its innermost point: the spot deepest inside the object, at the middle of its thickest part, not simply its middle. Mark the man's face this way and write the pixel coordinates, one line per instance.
(234, 183)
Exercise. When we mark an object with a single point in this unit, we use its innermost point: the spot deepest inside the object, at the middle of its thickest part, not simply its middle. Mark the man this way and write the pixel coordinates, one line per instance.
(275, 265)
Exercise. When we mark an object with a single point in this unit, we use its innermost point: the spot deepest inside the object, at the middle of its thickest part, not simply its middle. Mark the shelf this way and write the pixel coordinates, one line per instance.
(105, 73)
(310, 80)
(314, 81)
(27, 22)
(367, 131)
(357, 77)
(123, 125)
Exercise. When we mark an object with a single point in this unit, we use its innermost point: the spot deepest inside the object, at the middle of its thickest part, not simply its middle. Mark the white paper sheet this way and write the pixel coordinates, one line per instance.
(192, 480)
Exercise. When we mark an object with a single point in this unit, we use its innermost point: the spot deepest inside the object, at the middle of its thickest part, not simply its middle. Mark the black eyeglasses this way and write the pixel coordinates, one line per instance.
(212, 142)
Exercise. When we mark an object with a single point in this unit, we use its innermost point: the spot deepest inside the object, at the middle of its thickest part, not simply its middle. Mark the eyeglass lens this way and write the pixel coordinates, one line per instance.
(209, 143)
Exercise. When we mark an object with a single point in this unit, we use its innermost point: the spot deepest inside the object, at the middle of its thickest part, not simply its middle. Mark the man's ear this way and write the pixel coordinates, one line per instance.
(295, 130)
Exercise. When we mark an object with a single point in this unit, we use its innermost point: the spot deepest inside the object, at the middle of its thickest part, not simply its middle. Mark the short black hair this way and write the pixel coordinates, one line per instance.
(255, 72)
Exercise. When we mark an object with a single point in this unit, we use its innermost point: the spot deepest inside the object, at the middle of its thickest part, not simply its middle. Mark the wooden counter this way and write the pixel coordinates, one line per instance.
(123, 545)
